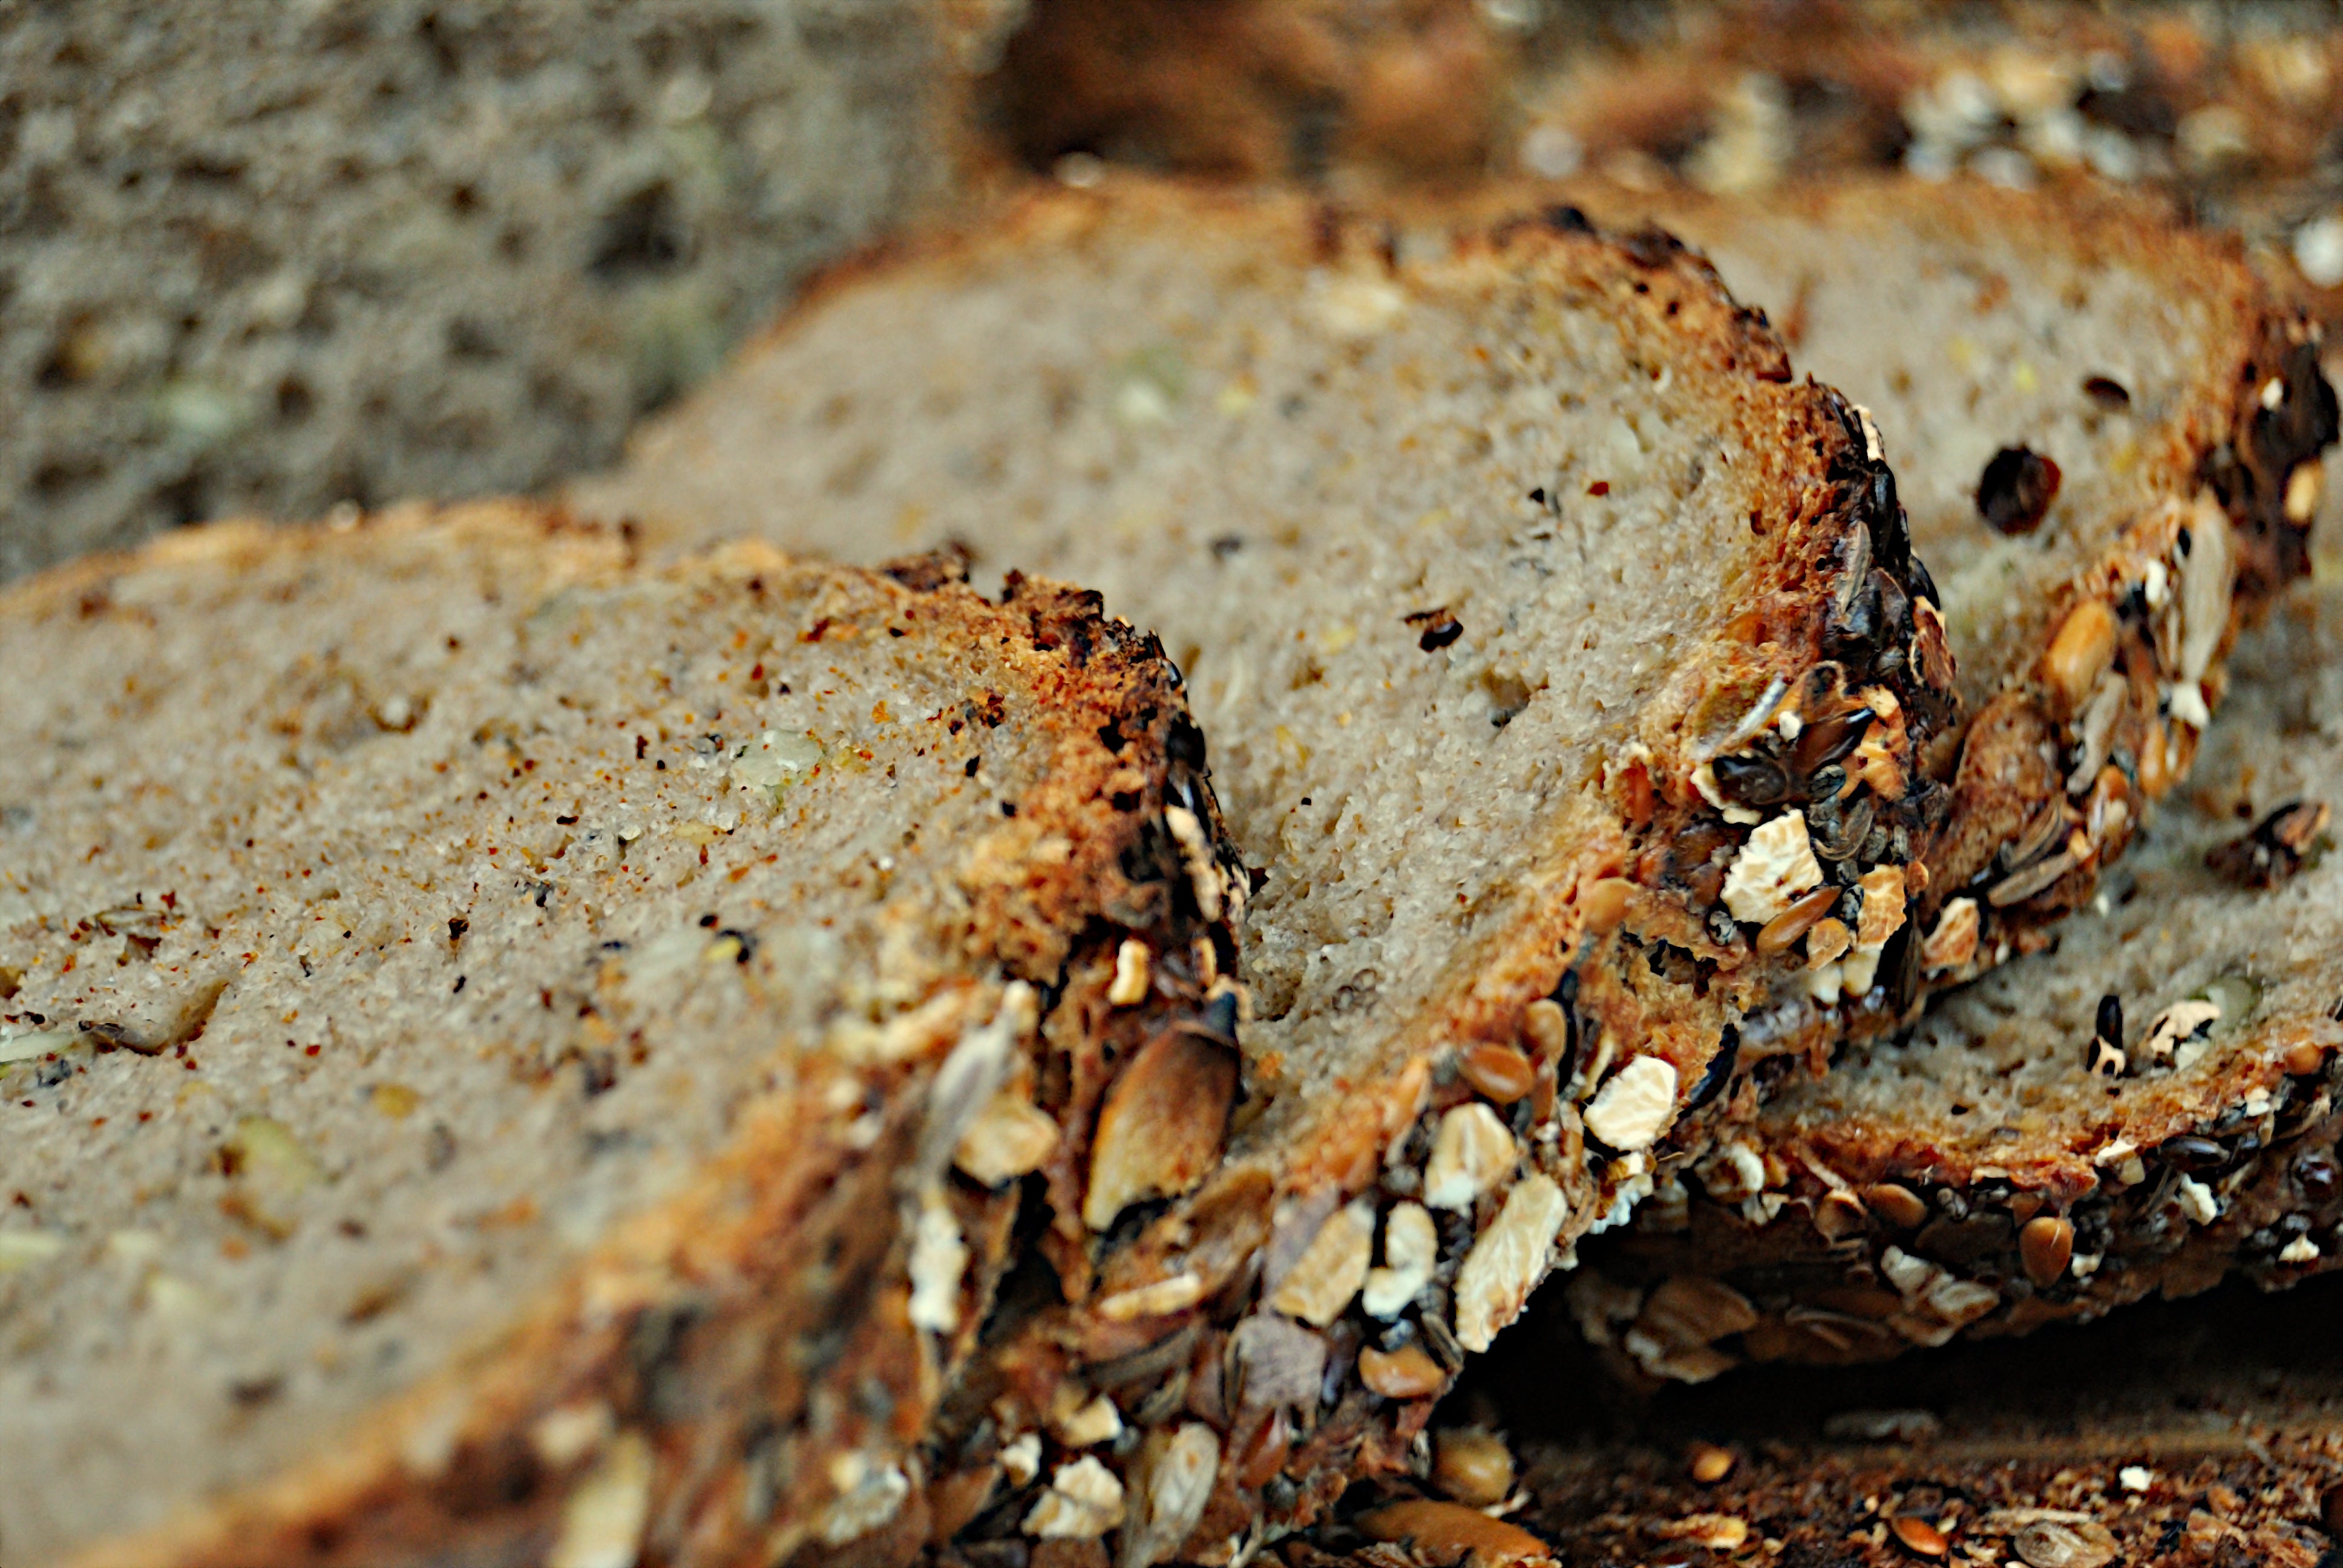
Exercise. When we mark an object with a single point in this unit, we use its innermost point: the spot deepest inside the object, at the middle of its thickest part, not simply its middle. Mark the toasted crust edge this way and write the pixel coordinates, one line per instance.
(688, 1295)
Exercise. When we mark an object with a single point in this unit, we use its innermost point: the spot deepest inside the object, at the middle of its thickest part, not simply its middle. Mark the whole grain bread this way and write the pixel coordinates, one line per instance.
(1480, 542)
(2148, 1107)
(511, 1056)
(2107, 433)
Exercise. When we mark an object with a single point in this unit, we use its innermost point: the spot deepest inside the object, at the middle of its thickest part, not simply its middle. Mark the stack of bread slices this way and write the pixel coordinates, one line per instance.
(740, 1018)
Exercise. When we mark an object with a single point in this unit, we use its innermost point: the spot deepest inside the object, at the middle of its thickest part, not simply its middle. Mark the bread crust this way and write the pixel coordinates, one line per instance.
(2110, 1161)
(687, 1334)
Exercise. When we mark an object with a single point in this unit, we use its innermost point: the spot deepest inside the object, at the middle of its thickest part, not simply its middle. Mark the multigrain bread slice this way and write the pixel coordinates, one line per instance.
(2107, 434)
(511, 1057)
(2140, 1111)
(1483, 545)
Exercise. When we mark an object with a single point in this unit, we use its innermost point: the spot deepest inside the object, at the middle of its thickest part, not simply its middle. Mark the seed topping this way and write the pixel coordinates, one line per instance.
(1471, 1152)
(1410, 1252)
(1954, 942)
(1773, 868)
(2205, 587)
(1327, 1276)
(1085, 1501)
(1196, 850)
(1783, 931)
(2081, 651)
(1131, 973)
(1174, 1482)
(1451, 1533)
(1435, 628)
(2045, 1245)
(1508, 1259)
(1839, 1215)
(1898, 1204)
(1606, 903)
(1175, 1293)
(2177, 1028)
(1733, 1173)
(2110, 395)
(2046, 1543)
(1634, 1107)
(1161, 1127)
(1407, 1372)
(2303, 487)
(2015, 492)
(1502, 1072)
(1008, 1137)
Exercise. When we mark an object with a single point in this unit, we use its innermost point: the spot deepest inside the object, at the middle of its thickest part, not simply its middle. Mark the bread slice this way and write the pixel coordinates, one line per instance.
(2150, 1106)
(2144, 420)
(508, 1056)
(1485, 547)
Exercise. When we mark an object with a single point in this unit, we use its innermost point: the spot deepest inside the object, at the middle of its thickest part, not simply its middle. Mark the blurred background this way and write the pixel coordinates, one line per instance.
(278, 256)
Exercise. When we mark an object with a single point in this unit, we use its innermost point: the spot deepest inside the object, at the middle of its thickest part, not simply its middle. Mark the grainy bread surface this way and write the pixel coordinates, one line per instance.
(1967, 319)
(1982, 1175)
(1480, 543)
(2145, 423)
(489, 1029)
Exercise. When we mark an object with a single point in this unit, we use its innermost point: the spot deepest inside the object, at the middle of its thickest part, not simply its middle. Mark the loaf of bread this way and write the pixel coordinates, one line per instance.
(1488, 548)
(2148, 1107)
(508, 1056)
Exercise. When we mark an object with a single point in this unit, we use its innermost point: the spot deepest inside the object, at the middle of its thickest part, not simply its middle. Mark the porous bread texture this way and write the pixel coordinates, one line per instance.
(1478, 542)
(1978, 1175)
(1969, 319)
(487, 1027)
(2186, 412)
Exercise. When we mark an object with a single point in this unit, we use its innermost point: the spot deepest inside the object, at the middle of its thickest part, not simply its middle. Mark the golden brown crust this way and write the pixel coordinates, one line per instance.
(1823, 1286)
(687, 1339)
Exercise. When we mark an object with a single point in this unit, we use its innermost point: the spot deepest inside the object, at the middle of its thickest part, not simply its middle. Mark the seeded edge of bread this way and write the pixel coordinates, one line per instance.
(746, 1362)
(2001, 1169)
(2099, 635)
(1301, 1397)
